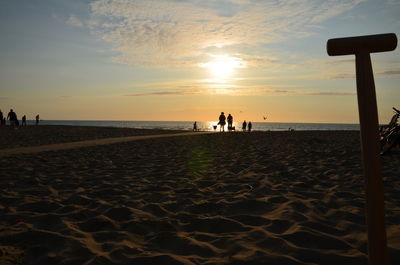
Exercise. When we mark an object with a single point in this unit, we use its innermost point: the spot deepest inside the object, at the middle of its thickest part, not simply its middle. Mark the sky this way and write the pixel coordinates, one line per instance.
(186, 60)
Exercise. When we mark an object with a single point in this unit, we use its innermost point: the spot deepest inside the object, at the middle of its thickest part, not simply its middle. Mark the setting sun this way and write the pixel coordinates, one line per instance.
(223, 66)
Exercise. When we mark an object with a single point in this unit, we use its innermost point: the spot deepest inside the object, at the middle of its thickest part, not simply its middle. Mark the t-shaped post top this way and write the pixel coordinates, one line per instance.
(369, 44)
(361, 47)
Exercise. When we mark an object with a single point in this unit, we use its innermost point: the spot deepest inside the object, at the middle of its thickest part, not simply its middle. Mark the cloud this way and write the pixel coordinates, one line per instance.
(342, 76)
(74, 21)
(163, 93)
(353, 75)
(390, 73)
(278, 91)
(234, 90)
(341, 61)
(182, 32)
(330, 94)
(207, 87)
(307, 93)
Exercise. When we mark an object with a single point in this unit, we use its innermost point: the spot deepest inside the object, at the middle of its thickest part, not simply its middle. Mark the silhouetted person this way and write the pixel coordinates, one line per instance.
(1, 117)
(24, 120)
(230, 121)
(244, 125)
(221, 122)
(195, 126)
(37, 119)
(249, 125)
(12, 117)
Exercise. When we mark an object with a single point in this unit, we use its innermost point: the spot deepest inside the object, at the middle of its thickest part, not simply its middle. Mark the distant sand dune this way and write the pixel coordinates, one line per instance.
(229, 198)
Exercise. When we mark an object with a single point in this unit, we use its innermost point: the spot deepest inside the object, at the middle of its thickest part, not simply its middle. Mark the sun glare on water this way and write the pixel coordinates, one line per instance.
(222, 67)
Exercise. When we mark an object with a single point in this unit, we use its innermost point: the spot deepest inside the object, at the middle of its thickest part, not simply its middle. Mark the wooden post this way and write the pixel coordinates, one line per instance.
(362, 46)
(369, 126)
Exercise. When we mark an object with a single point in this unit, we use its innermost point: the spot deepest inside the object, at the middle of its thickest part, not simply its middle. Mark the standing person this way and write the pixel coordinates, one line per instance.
(250, 125)
(230, 122)
(221, 122)
(37, 119)
(24, 120)
(12, 117)
(1, 117)
(195, 126)
(244, 125)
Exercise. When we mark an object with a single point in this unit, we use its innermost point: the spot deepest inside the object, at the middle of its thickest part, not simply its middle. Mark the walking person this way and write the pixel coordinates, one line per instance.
(195, 126)
(230, 122)
(37, 119)
(222, 122)
(24, 120)
(249, 126)
(12, 117)
(244, 125)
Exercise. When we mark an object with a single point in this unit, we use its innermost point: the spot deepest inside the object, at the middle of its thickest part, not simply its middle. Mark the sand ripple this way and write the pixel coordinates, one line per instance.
(262, 198)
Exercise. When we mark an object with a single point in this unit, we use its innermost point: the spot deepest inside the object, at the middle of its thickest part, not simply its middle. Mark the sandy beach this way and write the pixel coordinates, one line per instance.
(50, 134)
(224, 198)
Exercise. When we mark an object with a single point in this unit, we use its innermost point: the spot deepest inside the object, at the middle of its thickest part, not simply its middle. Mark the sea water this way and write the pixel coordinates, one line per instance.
(205, 126)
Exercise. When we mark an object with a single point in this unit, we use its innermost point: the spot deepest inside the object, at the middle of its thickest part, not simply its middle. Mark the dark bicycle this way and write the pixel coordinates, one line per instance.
(390, 134)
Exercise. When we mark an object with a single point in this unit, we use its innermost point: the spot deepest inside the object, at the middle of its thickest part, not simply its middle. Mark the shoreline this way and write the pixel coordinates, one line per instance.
(203, 125)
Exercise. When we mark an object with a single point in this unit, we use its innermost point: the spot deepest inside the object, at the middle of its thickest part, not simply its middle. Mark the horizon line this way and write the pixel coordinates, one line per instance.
(196, 121)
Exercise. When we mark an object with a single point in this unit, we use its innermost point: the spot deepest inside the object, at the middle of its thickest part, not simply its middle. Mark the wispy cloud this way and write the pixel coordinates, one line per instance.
(341, 61)
(256, 90)
(341, 76)
(74, 21)
(390, 73)
(163, 93)
(330, 93)
(308, 93)
(172, 32)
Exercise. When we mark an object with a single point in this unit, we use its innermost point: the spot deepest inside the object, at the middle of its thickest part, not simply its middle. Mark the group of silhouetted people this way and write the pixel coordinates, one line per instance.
(13, 119)
(247, 126)
(222, 121)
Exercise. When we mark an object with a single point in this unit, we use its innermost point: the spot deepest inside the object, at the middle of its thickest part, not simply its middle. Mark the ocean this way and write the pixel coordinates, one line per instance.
(205, 126)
